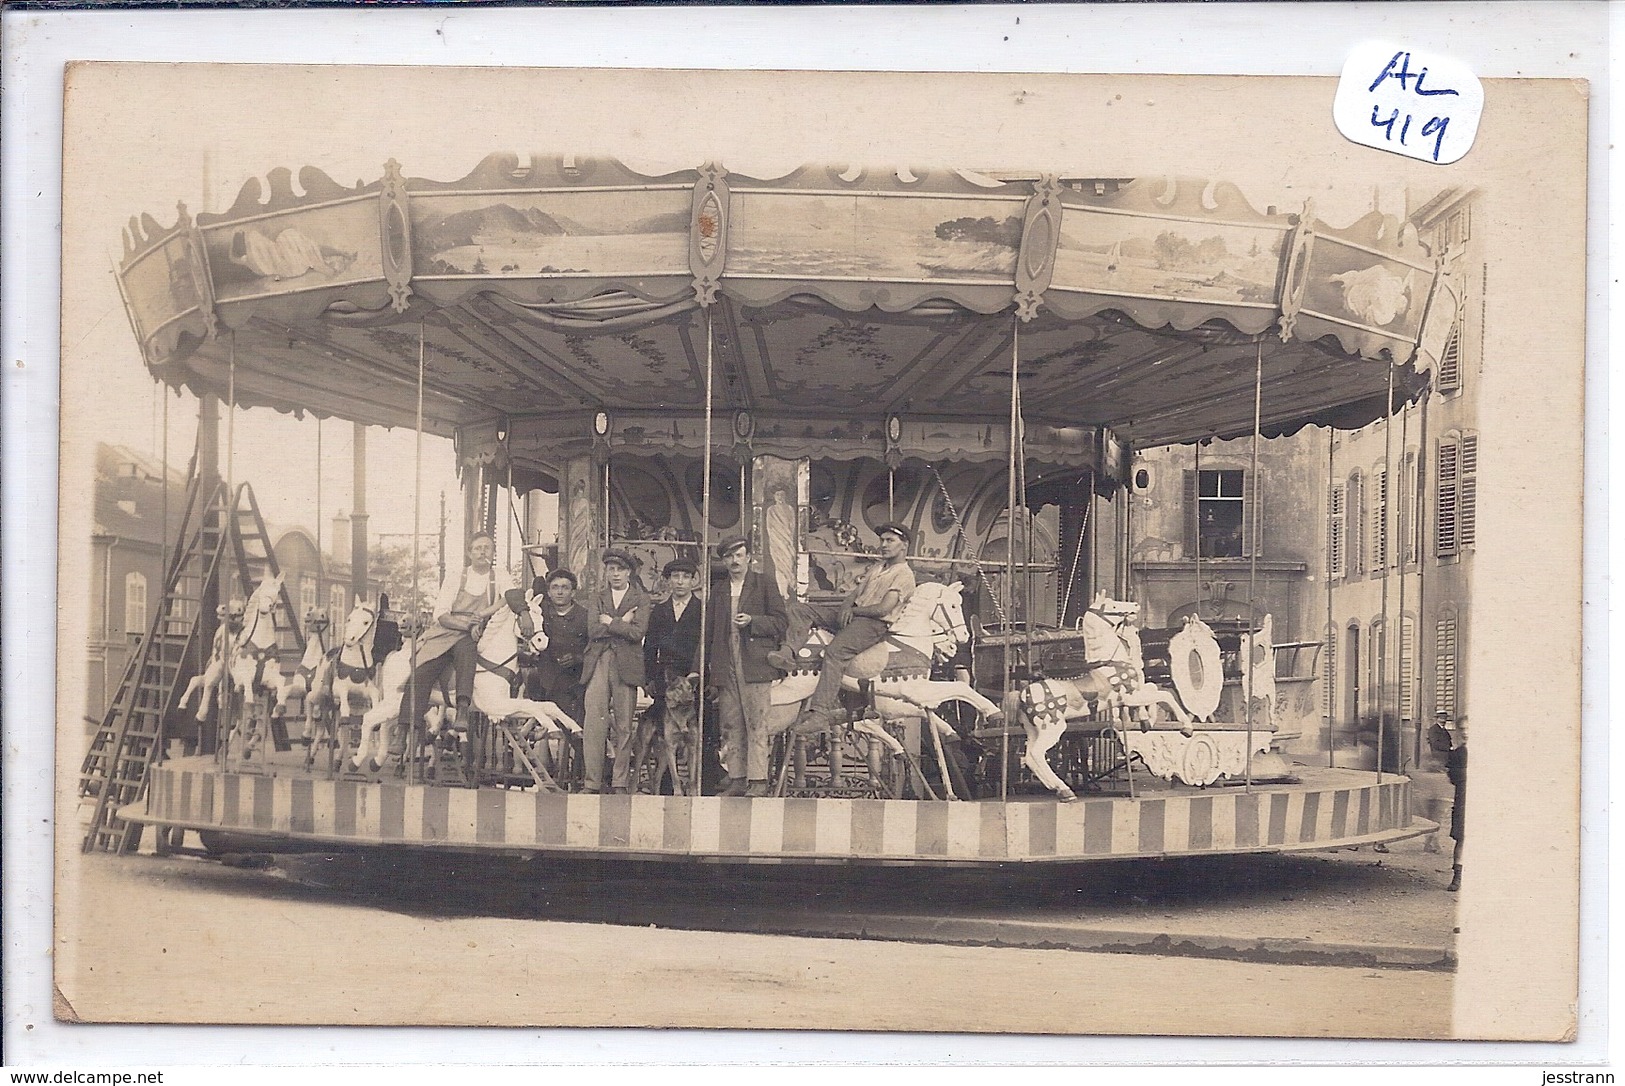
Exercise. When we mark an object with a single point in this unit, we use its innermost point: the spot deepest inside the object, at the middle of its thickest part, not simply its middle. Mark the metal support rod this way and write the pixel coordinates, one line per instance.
(1331, 627)
(705, 533)
(1010, 549)
(1252, 552)
(408, 750)
(227, 713)
(1405, 518)
(1382, 648)
(1423, 459)
(1196, 543)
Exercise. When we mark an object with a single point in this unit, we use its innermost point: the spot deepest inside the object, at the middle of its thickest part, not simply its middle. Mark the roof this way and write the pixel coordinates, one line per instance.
(129, 496)
(567, 286)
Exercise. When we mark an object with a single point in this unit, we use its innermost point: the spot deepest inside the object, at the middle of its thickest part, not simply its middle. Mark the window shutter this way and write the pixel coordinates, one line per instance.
(1467, 511)
(1446, 501)
(1444, 664)
(135, 603)
(1191, 501)
(1450, 362)
(1249, 515)
(1356, 523)
(1329, 680)
(1407, 668)
(1379, 519)
(1335, 566)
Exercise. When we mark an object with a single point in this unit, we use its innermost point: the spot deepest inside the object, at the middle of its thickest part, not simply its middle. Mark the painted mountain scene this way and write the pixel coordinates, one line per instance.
(830, 237)
(1167, 258)
(633, 233)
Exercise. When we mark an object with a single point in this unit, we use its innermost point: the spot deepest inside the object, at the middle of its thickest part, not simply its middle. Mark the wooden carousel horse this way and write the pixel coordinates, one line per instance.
(498, 652)
(207, 682)
(1114, 683)
(252, 668)
(931, 625)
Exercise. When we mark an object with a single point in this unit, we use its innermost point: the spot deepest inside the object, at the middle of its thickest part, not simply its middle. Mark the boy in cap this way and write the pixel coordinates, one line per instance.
(864, 620)
(746, 620)
(556, 674)
(617, 617)
(672, 644)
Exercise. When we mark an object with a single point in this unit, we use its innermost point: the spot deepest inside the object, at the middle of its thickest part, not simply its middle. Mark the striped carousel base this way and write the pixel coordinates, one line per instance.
(1327, 808)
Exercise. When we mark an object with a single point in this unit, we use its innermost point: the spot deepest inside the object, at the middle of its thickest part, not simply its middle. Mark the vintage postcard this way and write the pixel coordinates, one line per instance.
(852, 551)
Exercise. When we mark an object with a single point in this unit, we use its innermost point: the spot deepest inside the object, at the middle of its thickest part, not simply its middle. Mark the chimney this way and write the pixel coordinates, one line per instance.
(340, 545)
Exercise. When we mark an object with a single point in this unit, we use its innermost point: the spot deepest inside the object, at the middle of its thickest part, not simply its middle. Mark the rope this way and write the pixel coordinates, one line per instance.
(959, 530)
(1077, 551)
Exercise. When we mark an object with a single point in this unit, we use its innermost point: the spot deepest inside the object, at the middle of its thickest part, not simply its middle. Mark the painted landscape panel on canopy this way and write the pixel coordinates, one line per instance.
(791, 235)
(1349, 284)
(302, 249)
(526, 234)
(1176, 259)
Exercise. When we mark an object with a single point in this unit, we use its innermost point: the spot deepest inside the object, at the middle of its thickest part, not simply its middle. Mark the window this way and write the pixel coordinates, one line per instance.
(1219, 513)
(1456, 504)
(135, 603)
(1410, 512)
(307, 597)
(1379, 519)
(1377, 660)
(1337, 533)
(1450, 361)
(1356, 525)
(336, 613)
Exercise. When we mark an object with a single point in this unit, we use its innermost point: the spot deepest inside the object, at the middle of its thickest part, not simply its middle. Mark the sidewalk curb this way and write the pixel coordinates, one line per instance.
(1037, 935)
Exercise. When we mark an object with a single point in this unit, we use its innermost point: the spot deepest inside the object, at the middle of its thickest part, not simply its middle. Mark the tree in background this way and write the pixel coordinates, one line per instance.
(391, 563)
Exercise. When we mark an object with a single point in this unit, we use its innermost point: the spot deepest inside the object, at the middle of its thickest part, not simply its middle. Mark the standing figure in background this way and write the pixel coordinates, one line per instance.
(672, 645)
(617, 619)
(1455, 768)
(556, 674)
(747, 620)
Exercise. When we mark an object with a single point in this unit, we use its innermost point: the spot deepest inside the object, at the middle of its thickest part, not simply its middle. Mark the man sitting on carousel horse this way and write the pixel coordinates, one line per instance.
(466, 599)
(861, 622)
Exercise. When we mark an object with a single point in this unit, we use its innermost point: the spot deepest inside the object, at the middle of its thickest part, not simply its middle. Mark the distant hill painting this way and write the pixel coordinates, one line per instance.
(527, 234)
(824, 236)
(1174, 259)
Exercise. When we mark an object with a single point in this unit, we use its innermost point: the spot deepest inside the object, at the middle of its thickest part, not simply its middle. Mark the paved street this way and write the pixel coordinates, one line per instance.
(422, 940)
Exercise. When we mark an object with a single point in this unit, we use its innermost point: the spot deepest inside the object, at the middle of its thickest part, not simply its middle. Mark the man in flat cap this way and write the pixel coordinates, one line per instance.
(672, 645)
(617, 618)
(864, 619)
(746, 621)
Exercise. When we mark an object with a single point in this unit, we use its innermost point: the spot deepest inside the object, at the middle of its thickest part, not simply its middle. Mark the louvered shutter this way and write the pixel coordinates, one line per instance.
(1467, 512)
(1249, 515)
(1329, 678)
(1444, 664)
(1192, 535)
(1407, 668)
(1450, 362)
(1379, 519)
(1336, 566)
(1445, 505)
(1356, 523)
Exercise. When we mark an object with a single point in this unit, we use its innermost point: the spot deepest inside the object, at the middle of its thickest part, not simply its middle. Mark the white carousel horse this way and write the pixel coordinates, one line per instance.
(931, 625)
(1115, 682)
(252, 665)
(230, 617)
(498, 653)
(350, 676)
(302, 681)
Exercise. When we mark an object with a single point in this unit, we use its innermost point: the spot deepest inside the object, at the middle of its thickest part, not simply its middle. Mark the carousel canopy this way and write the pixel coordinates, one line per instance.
(555, 290)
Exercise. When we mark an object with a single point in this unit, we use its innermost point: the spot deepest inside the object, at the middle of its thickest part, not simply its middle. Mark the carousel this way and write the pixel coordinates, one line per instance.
(800, 361)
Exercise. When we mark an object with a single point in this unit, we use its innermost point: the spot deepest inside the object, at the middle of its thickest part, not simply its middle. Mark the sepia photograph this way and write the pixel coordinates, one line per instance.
(969, 553)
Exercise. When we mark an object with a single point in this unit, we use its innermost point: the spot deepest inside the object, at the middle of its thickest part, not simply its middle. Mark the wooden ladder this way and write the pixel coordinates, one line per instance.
(130, 737)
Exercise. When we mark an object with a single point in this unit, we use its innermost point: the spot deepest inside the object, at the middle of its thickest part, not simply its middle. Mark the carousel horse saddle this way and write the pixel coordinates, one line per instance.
(887, 660)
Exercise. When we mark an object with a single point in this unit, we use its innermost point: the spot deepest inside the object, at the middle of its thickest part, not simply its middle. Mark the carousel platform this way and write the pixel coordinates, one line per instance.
(1325, 808)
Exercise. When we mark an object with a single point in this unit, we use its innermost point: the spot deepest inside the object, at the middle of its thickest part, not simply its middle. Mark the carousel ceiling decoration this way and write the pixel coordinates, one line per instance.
(559, 288)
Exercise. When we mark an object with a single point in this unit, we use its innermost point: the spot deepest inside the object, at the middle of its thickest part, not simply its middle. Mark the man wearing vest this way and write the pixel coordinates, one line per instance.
(617, 618)
(864, 620)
